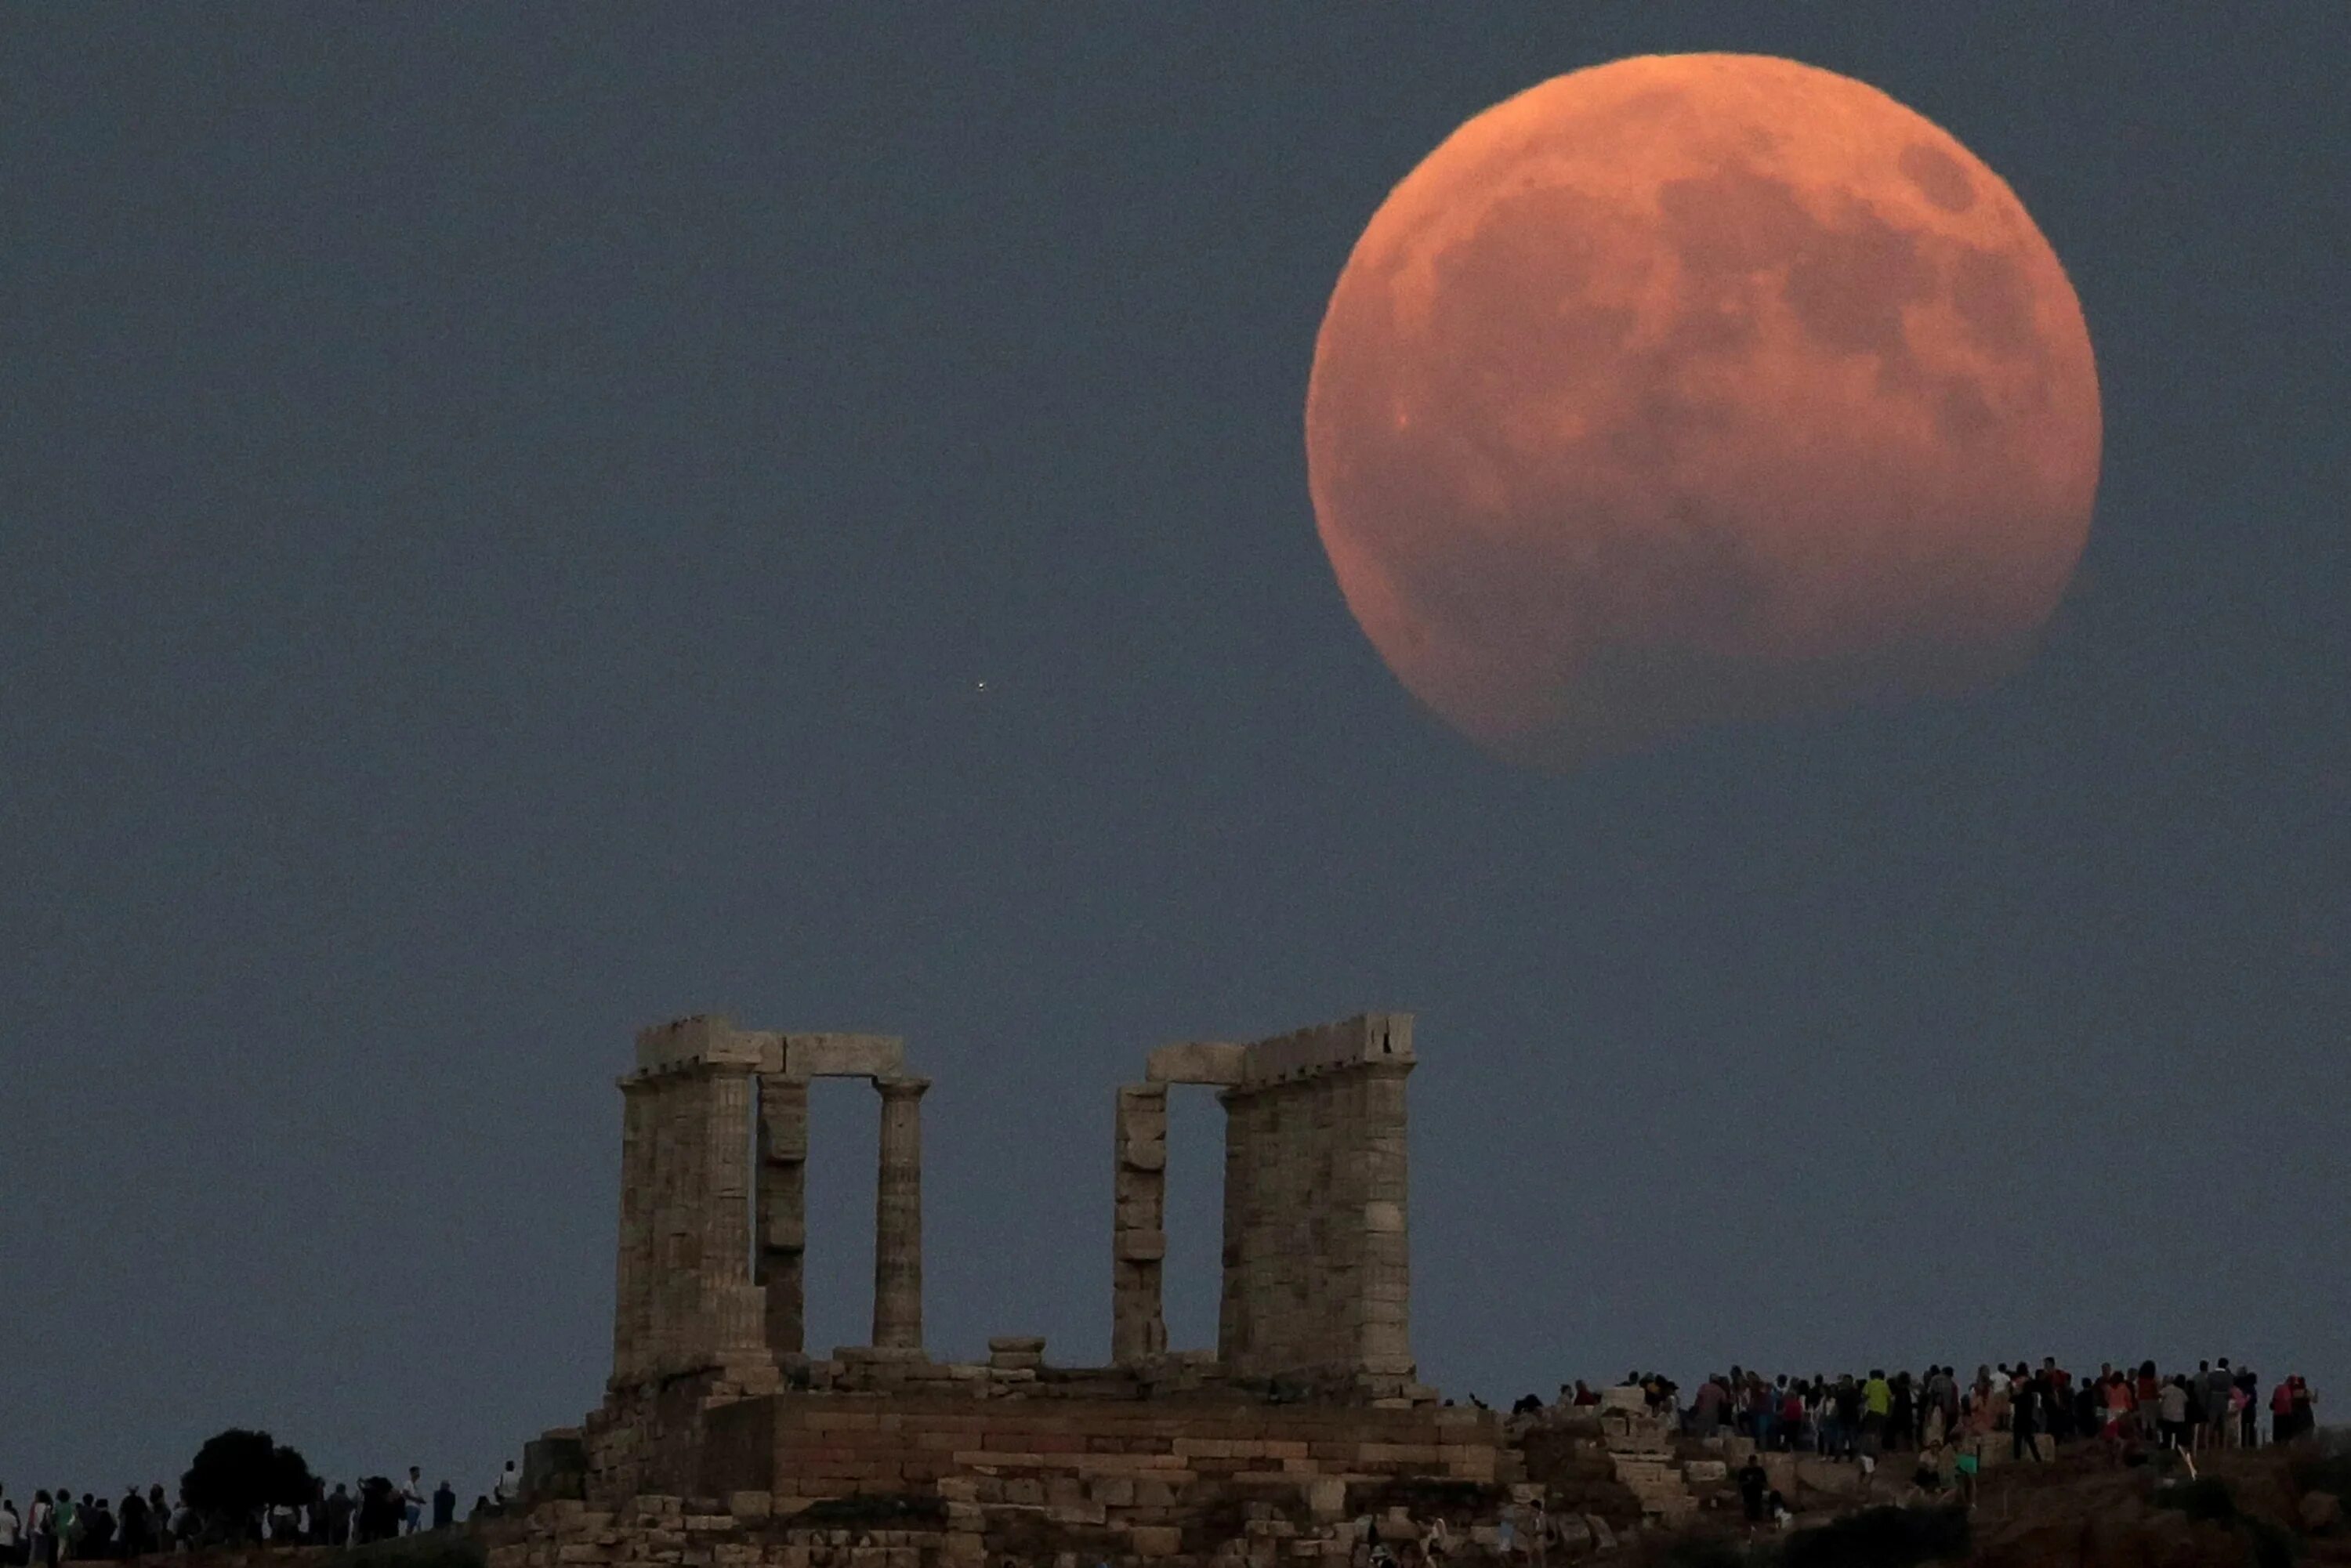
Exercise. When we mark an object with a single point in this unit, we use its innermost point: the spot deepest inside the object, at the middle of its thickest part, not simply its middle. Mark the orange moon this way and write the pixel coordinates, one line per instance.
(1699, 388)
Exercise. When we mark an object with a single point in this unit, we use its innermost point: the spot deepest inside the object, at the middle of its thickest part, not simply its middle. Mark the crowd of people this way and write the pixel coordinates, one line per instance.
(2037, 1409)
(57, 1527)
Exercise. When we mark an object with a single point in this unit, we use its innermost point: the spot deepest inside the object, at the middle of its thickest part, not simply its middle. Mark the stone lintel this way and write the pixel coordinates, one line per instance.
(1211, 1062)
(1365, 1040)
(808, 1056)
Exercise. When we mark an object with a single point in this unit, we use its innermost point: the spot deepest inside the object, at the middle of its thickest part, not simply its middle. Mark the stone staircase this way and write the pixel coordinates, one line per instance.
(1641, 1448)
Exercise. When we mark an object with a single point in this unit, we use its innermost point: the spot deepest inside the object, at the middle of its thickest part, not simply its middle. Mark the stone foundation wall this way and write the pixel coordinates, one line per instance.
(802, 1480)
(1129, 1464)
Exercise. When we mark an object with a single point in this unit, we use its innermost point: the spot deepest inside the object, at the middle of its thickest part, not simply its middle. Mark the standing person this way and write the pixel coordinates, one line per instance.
(1877, 1405)
(2024, 1422)
(12, 1531)
(338, 1516)
(445, 1506)
(1753, 1482)
(2220, 1412)
(68, 1527)
(2249, 1407)
(41, 1532)
(1848, 1413)
(1706, 1409)
(2171, 1413)
(131, 1522)
(1902, 1415)
(2281, 1413)
(411, 1502)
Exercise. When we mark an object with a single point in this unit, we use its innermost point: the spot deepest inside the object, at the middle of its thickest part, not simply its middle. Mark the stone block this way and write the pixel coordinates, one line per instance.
(1156, 1541)
(1142, 1154)
(1141, 1246)
(1197, 1061)
(705, 1037)
(844, 1056)
(1326, 1498)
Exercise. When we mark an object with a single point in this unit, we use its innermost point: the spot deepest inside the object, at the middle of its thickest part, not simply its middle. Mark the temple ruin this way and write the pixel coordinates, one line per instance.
(1310, 1392)
(1317, 1277)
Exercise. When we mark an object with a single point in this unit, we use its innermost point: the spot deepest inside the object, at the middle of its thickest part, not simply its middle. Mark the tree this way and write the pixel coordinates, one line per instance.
(239, 1474)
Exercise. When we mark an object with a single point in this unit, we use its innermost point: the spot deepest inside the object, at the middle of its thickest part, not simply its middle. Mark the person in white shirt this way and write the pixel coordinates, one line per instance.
(12, 1531)
(509, 1488)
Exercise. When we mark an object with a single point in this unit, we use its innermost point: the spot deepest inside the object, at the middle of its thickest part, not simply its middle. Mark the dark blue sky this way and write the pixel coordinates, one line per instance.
(502, 517)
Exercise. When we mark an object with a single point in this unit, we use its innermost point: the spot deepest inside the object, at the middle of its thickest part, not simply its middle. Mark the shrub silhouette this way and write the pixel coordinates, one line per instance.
(237, 1474)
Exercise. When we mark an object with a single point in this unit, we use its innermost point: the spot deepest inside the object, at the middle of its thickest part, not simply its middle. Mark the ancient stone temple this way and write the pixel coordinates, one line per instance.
(1309, 1402)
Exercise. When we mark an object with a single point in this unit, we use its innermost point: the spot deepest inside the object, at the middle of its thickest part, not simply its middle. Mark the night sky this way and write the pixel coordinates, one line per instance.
(504, 521)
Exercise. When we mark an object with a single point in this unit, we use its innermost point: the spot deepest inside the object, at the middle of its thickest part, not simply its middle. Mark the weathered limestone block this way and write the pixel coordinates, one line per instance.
(709, 1038)
(1141, 1246)
(1197, 1062)
(844, 1056)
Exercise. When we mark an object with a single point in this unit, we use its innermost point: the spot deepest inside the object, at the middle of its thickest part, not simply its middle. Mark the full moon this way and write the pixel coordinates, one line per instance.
(1699, 388)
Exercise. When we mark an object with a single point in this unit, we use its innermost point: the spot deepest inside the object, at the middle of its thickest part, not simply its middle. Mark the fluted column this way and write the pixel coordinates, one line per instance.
(898, 1218)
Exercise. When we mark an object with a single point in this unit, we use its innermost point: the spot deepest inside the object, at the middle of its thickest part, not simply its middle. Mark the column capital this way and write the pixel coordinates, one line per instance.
(902, 1088)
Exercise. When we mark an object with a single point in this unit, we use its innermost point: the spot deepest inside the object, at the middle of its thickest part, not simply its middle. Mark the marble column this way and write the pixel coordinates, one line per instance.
(898, 1218)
